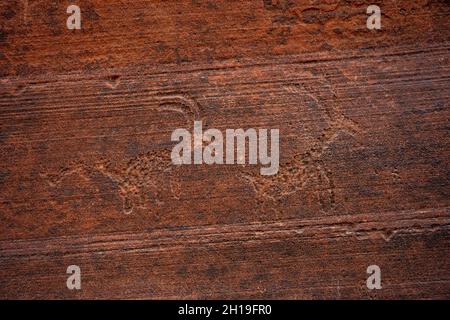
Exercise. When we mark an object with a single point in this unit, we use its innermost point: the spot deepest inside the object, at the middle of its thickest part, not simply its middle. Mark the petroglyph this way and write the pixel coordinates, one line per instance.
(182, 104)
(143, 182)
(308, 169)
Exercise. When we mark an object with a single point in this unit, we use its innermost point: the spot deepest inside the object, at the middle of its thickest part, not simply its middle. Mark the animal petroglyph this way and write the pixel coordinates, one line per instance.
(145, 180)
(142, 182)
(308, 168)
